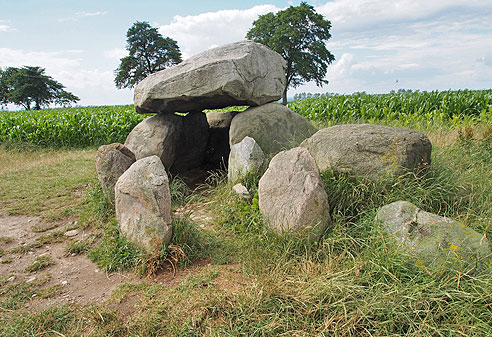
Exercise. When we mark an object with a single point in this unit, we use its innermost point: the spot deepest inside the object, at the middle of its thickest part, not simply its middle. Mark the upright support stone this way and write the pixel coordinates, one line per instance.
(245, 157)
(143, 204)
(156, 136)
(111, 162)
(291, 194)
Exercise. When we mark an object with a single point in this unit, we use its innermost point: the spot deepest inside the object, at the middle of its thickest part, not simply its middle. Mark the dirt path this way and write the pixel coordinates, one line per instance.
(72, 278)
(76, 278)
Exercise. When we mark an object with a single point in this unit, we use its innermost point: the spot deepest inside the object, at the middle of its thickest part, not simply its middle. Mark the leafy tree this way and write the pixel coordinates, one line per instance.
(27, 85)
(149, 53)
(299, 35)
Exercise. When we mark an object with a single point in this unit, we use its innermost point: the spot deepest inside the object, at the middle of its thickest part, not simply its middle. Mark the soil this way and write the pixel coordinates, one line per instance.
(79, 280)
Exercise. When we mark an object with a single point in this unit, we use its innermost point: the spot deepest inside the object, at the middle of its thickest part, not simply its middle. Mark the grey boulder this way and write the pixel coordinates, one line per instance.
(143, 204)
(367, 150)
(432, 241)
(111, 162)
(242, 192)
(245, 157)
(156, 136)
(291, 194)
(242, 73)
(273, 126)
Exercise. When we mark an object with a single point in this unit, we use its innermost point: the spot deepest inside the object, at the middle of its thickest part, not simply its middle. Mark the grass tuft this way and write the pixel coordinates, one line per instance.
(40, 263)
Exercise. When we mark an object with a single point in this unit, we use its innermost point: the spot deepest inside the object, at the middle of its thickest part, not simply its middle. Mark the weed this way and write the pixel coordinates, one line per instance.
(180, 192)
(114, 252)
(40, 263)
(49, 291)
(6, 240)
(80, 246)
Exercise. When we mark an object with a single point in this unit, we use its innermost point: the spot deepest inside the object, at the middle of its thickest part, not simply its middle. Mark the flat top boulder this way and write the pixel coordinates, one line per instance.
(372, 151)
(241, 73)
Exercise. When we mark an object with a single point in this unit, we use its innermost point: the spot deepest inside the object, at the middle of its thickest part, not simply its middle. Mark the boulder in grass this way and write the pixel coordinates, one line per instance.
(432, 241)
(157, 135)
(367, 150)
(245, 157)
(273, 126)
(111, 162)
(291, 194)
(242, 73)
(143, 204)
(242, 192)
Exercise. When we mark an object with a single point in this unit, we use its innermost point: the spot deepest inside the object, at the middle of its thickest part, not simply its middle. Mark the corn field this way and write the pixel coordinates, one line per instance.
(69, 127)
(447, 108)
(94, 126)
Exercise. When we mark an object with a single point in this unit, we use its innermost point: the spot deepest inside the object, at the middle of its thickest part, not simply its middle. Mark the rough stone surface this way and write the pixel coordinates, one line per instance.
(143, 204)
(245, 157)
(157, 135)
(291, 194)
(273, 126)
(242, 73)
(433, 241)
(111, 161)
(192, 143)
(369, 150)
(220, 120)
(242, 192)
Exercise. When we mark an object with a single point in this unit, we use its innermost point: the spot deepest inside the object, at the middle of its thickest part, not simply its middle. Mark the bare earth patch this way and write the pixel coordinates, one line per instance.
(79, 279)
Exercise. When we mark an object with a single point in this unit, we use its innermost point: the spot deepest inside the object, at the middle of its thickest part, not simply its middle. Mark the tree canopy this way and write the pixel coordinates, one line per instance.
(149, 52)
(30, 85)
(298, 34)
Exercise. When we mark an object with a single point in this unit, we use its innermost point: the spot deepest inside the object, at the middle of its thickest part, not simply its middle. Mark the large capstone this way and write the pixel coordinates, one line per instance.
(156, 136)
(273, 126)
(291, 194)
(111, 162)
(367, 150)
(432, 241)
(143, 204)
(242, 73)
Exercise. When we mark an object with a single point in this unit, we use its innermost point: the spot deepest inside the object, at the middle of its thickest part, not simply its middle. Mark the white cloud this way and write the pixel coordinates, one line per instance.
(92, 13)
(352, 14)
(375, 41)
(6, 28)
(115, 54)
(198, 33)
(79, 15)
(93, 86)
(48, 60)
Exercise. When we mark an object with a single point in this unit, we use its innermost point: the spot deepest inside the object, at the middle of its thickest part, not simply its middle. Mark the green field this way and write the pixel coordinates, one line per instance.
(94, 126)
(69, 127)
(242, 279)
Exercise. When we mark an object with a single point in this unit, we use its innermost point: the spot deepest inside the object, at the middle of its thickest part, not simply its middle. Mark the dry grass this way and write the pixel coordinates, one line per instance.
(46, 183)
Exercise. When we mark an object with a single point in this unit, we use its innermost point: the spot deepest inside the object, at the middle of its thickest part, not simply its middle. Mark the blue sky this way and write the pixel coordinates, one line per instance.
(379, 45)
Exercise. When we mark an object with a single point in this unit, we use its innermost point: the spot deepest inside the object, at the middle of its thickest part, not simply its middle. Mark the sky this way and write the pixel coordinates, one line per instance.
(379, 45)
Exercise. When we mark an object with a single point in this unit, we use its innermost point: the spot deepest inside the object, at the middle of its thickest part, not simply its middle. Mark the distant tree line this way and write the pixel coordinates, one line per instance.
(303, 95)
